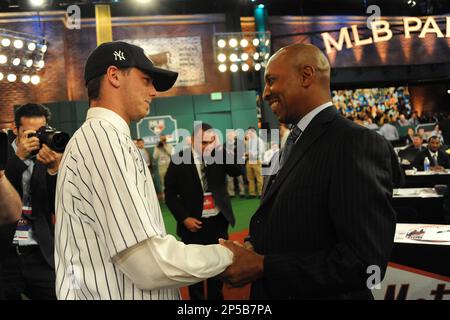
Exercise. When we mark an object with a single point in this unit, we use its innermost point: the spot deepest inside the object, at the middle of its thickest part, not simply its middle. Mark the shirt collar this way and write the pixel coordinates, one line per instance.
(109, 116)
(305, 121)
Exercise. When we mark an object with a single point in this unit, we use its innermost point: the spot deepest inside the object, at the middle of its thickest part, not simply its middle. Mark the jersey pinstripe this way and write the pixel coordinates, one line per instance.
(105, 203)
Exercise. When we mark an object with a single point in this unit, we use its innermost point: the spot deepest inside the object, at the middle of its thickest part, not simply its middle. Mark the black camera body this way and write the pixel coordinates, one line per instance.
(3, 149)
(55, 140)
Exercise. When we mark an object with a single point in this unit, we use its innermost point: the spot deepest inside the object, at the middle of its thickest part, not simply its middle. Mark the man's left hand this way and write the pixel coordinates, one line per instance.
(49, 158)
(247, 265)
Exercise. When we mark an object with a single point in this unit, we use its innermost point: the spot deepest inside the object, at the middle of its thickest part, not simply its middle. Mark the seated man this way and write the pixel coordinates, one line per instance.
(411, 151)
(438, 158)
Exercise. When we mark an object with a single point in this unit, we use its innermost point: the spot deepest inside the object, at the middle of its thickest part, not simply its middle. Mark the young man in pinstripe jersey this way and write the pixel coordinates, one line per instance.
(111, 241)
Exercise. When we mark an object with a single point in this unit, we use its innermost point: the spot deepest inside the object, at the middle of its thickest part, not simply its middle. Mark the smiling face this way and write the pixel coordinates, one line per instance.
(282, 89)
(137, 91)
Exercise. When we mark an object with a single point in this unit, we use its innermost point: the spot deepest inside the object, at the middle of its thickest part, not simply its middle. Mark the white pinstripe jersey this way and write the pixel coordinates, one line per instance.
(105, 203)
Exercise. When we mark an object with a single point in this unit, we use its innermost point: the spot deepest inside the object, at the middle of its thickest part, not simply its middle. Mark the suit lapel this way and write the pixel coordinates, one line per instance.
(314, 130)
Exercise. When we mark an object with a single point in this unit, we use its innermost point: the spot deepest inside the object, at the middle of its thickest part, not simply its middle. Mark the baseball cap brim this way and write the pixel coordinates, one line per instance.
(163, 79)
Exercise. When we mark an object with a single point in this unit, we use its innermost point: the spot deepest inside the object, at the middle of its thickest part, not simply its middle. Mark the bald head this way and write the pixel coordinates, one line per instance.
(297, 80)
(306, 55)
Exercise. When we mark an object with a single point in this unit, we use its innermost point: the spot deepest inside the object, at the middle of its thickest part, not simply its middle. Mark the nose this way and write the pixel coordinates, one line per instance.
(152, 90)
(266, 92)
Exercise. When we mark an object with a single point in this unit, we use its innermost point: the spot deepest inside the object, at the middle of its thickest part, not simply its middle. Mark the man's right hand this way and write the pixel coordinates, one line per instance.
(192, 224)
(25, 145)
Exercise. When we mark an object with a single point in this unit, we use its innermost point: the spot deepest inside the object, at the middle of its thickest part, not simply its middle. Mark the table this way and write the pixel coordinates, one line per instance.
(426, 178)
(418, 205)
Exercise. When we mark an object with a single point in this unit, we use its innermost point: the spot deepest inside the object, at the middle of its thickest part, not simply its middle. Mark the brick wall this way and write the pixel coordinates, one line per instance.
(62, 77)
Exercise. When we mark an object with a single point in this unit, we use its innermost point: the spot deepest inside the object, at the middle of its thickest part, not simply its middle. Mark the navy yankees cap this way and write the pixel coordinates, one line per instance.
(126, 55)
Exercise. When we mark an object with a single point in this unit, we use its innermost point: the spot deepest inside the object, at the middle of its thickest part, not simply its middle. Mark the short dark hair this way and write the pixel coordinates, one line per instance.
(433, 137)
(203, 127)
(93, 86)
(30, 110)
(251, 128)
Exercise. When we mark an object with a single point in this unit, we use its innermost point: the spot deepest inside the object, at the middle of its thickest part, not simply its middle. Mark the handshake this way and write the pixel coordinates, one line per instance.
(247, 265)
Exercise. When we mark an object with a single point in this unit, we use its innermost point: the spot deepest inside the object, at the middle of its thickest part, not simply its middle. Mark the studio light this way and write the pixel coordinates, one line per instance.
(35, 79)
(44, 48)
(1, 76)
(255, 42)
(26, 79)
(233, 42)
(31, 46)
(244, 56)
(257, 66)
(37, 3)
(245, 67)
(221, 43)
(233, 57)
(244, 43)
(41, 64)
(11, 77)
(3, 59)
(16, 61)
(6, 42)
(234, 68)
(18, 44)
(29, 63)
(256, 56)
(222, 67)
(222, 57)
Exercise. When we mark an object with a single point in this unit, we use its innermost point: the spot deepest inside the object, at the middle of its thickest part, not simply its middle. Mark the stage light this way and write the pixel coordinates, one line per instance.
(255, 42)
(26, 79)
(1, 76)
(29, 63)
(222, 67)
(36, 3)
(256, 56)
(221, 57)
(18, 44)
(234, 68)
(257, 67)
(233, 57)
(35, 79)
(16, 61)
(244, 56)
(31, 46)
(448, 91)
(261, 6)
(244, 43)
(267, 43)
(44, 48)
(221, 43)
(267, 56)
(11, 77)
(245, 67)
(233, 42)
(6, 42)
(3, 59)
(41, 64)
(143, 1)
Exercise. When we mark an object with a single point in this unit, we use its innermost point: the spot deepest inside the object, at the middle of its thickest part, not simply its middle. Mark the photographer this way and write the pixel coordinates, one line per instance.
(28, 267)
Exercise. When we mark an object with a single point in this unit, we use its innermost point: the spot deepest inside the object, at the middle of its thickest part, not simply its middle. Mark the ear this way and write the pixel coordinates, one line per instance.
(15, 130)
(307, 76)
(113, 76)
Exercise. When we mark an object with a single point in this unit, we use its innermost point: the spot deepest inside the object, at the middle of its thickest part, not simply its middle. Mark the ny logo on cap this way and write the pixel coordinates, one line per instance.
(118, 55)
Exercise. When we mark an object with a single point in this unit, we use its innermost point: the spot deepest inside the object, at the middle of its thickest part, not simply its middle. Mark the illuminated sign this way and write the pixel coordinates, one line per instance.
(381, 32)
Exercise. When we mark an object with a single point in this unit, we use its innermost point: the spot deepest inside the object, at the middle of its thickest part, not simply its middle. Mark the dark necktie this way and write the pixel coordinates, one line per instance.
(435, 163)
(203, 173)
(290, 142)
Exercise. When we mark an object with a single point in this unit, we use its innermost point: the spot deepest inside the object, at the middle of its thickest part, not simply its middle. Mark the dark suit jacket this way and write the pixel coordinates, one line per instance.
(442, 159)
(410, 153)
(43, 187)
(327, 216)
(184, 193)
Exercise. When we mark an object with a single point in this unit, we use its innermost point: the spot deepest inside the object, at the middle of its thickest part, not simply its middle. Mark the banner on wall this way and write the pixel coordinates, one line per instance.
(150, 129)
(180, 54)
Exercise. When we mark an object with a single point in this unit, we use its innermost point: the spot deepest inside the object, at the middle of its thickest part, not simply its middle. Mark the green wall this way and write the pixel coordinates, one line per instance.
(235, 110)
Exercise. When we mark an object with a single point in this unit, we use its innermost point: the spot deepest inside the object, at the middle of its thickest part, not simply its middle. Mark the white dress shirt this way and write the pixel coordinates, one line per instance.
(109, 227)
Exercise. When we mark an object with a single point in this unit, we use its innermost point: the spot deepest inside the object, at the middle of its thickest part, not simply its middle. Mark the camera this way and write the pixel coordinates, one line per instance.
(3, 149)
(55, 140)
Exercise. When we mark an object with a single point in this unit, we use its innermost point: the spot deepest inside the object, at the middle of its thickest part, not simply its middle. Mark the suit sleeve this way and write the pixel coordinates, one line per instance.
(172, 192)
(363, 219)
(418, 161)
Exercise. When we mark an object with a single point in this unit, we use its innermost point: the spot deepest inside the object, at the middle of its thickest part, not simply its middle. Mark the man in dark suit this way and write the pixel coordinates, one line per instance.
(438, 158)
(413, 150)
(196, 194)
(28, 267)
(325, 218)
